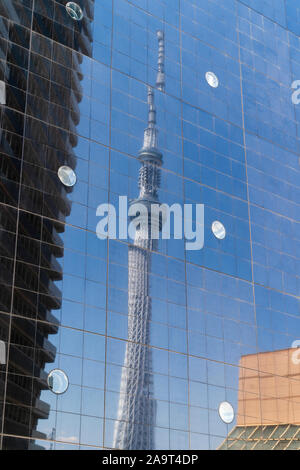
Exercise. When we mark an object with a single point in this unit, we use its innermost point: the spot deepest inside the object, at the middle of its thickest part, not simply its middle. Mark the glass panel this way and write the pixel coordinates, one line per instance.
(152, 320)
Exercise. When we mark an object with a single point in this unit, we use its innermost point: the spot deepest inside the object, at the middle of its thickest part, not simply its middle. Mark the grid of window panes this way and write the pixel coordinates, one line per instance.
(76, 96)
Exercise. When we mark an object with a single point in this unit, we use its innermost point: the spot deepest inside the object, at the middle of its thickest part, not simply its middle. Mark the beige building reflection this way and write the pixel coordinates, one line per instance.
(268, 415)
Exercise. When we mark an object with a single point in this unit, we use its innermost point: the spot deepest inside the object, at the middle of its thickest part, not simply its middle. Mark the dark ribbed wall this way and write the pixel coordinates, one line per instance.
(43, 90)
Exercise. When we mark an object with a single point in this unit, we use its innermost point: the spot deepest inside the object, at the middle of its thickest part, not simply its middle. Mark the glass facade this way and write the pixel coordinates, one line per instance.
(140, 343)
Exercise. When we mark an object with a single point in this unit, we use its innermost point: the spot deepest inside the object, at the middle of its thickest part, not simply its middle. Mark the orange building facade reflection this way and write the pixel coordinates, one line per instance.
(269, 389)
(268, 411)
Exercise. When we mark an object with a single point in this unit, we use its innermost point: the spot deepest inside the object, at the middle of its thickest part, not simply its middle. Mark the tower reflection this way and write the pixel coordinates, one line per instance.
(137, 407)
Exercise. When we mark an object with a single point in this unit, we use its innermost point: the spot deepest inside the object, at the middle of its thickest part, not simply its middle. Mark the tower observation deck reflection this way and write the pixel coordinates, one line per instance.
(137, 407)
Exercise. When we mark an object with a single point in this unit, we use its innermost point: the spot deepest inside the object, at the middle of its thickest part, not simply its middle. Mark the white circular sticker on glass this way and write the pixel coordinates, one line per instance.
(218, 230)
(226, 412)
(67, 176)
(212, 79)
(58, 381)
(74, 11)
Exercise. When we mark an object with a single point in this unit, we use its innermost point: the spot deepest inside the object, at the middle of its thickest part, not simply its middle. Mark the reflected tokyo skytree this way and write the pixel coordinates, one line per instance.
(134, 429)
